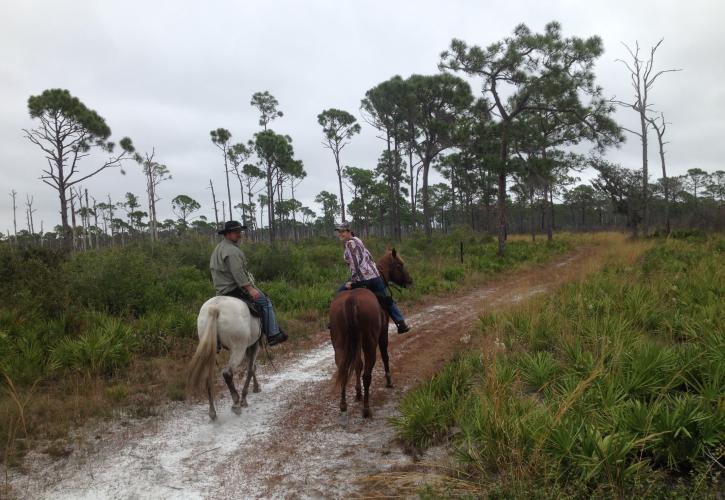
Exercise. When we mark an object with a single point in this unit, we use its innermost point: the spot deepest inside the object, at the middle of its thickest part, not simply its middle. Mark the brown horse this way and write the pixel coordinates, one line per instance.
(358, 326)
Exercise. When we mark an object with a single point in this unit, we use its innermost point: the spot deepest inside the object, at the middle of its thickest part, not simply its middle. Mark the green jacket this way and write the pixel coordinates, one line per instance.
(229, 268)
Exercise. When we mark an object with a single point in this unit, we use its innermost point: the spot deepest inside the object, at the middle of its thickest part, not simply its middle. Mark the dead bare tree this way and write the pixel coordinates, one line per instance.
(660, 127)
(29, 211)
(643, 76)
(95, 222)
(213, 197)
(13, 195)
(155, 174)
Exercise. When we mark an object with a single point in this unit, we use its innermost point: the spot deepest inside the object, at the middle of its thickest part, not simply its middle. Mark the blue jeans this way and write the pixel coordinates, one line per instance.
(377, 286)
(270, 320)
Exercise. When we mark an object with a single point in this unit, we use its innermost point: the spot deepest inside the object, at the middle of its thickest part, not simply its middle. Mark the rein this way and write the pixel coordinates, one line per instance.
(397, 288)
(268, 354)
(389, 284)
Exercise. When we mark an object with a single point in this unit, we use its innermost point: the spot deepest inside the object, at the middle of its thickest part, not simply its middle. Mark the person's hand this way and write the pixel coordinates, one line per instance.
(348, 285)
(253, 293)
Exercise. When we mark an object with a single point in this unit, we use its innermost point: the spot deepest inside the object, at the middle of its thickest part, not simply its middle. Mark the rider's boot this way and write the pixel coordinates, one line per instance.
(277, 339)
(402, 326)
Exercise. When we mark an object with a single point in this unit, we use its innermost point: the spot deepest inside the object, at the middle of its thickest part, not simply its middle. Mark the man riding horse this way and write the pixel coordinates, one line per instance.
(231, 278)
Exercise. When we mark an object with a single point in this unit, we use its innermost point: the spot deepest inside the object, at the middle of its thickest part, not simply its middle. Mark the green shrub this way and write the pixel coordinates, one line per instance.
(102, 350)
(454, 273)
(630, 369)
(538, 369)
(427, 413)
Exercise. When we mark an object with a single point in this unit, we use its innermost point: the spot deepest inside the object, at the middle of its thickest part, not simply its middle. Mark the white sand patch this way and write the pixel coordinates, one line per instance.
(177, 460)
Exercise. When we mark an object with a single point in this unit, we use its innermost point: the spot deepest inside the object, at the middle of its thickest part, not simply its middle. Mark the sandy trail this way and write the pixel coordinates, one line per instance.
(287, 443)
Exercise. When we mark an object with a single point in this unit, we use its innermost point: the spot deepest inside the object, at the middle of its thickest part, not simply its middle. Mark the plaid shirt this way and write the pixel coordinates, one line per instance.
(361, 263)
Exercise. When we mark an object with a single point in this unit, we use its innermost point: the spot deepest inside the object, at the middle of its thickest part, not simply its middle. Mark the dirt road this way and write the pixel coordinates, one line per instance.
(287, 443)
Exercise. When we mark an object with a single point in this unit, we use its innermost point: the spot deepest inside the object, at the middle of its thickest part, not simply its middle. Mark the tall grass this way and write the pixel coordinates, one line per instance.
(615, 385)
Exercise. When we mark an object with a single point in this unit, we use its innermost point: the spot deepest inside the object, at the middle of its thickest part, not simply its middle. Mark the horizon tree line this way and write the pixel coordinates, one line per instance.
(538, 98)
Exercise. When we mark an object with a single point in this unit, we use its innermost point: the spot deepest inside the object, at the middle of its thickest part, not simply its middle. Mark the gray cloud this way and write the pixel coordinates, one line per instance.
(166, 73)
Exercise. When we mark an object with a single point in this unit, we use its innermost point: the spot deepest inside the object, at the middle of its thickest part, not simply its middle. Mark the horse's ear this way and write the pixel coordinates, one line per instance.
(395, 253)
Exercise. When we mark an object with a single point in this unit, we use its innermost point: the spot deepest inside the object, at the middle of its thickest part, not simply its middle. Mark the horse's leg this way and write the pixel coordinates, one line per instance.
(235, 358)
(212, 410)
(343, 408)
(383, 344)
(251, 360)
(370, 348)
(255, 384)
(358, 370)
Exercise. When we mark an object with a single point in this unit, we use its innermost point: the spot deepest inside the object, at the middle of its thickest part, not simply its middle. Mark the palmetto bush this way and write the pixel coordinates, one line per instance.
(538, 369)
(102, 350)
(428, 412)
(627, 370)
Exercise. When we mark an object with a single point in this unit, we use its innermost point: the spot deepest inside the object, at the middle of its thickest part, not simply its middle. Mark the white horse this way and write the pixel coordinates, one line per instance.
(238, 331)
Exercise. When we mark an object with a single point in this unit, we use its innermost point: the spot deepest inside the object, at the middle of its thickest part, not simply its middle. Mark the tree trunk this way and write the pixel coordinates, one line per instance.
(666, 186)
(502, 213)
(551, 204)
(95, 223)
(87, 226)
(339, 181)
(270, 204)
(412, 181)
(73, 218)
(66, 236)
(426, 208)
(229, 190)
(665, 181)
(532, 222)
(645, 173)
(549, 217)
(213, 199)
(397, 231)
(294, 213)
(13, 195)
(110, 221)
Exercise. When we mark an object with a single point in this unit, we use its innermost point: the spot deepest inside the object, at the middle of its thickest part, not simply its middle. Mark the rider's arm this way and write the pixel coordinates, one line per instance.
(236, 266)
(355, 257)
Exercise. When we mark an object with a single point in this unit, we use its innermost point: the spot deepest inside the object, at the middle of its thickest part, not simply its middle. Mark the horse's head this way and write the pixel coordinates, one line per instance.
(392, 267)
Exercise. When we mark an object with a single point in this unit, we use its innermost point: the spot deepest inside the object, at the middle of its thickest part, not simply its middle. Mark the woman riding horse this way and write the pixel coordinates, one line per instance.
(359, 318)
(364, 273)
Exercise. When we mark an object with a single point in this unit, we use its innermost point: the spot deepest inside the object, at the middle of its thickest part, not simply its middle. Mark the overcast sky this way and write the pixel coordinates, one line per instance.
(167, 72)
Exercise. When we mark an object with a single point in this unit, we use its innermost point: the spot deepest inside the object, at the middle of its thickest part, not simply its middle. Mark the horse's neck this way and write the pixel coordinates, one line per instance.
(383, 270)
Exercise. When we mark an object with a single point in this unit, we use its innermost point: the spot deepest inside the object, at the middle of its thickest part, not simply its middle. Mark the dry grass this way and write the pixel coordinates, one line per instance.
(48, 412)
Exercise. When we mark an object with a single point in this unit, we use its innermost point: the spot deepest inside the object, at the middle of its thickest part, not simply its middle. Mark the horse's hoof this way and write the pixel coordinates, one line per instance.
(256, 389)
(237, 409)
(244, 403)
(389, 385)
(367, 413)
(358, 397)
(212, 415)
(388, 381)
(343, 420)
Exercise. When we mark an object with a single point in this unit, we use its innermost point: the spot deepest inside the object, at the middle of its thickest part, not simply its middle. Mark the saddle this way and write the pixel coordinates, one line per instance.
(242, 295)
(385, 300)
(254, 309)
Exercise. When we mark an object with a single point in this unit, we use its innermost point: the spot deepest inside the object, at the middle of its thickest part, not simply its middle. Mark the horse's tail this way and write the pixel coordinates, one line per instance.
(352, 342)
(201, 368)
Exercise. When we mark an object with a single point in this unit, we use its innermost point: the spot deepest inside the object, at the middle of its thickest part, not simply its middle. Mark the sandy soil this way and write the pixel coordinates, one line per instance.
(287, 443)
